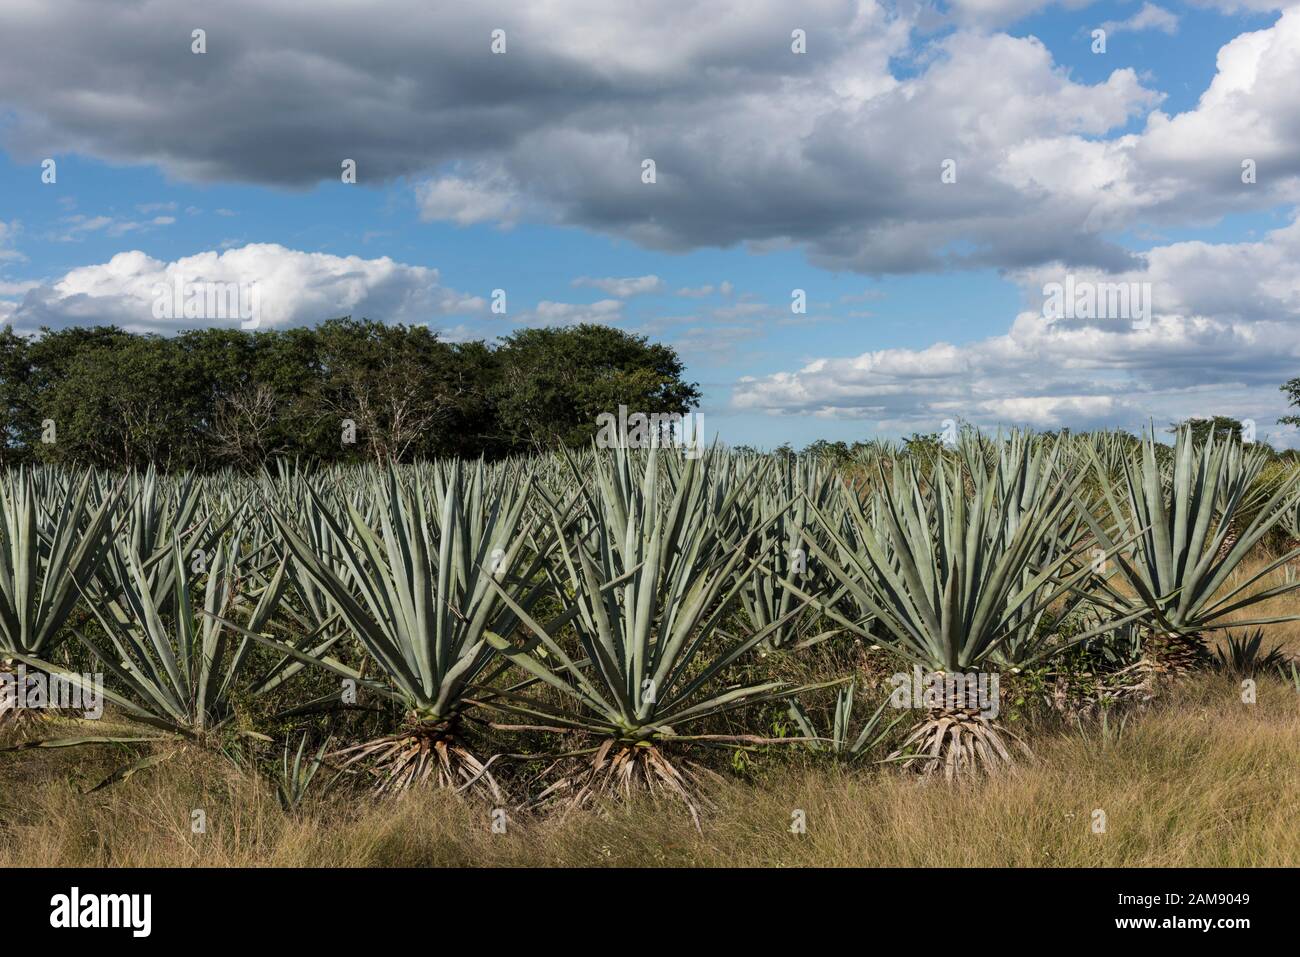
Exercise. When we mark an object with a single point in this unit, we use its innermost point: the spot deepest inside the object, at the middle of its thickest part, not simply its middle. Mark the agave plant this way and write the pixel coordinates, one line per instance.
(157, 510)
(647, 586)
(297, 773)
(50, 546)
(1186, 544)
(177, 672)
(842, 742)
(780, 514)
(953, 576)
(1022, 468)
(1241, 655)
(297, 497)
(425, 594)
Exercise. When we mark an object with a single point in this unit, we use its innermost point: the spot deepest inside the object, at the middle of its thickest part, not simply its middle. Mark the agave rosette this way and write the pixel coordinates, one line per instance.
(648, 587)
(447, 569)
(1184, 543)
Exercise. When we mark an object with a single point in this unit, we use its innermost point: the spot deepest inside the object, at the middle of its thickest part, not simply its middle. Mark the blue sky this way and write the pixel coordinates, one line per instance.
(776, 173)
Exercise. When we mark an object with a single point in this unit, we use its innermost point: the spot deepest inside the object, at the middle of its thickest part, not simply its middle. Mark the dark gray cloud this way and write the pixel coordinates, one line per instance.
(834, 150)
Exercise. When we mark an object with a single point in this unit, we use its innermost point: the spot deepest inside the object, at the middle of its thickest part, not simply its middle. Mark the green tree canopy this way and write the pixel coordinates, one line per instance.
(212, 398)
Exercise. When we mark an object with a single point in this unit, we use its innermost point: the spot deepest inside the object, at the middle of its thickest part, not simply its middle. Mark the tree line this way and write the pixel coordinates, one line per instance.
(343, 391)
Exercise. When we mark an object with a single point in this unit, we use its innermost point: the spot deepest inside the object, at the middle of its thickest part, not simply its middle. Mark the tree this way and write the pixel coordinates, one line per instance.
(1292, 389)
(15, 413)
(208, 398)
(244, 426)
(1221, 426)
(122, 402)
(834, 452)
(388, 380)
(555, 382)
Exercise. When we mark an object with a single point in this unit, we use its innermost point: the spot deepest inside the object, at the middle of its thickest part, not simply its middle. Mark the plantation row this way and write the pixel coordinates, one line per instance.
(606, 620)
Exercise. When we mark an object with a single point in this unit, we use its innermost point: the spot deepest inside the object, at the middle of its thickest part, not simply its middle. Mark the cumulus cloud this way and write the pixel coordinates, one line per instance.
(623, 288)
(1224, 333)
(484, 197)
(292, 288)
(836, 151)
(550, 313)
(1150, 17)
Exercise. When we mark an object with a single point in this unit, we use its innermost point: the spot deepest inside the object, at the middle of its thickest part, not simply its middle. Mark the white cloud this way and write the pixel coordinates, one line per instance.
(461, 332)
(836, 151)
(1150, 17)
(1225, 334)
(997, 13)
(724, 288)
(293, 288)
(622, 288)
(77, 227)
(550, 313)
(484, 197)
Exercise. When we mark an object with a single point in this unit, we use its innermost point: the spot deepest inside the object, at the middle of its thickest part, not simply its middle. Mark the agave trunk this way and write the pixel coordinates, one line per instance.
(1172, 655)
(958, 742)
(430, 753)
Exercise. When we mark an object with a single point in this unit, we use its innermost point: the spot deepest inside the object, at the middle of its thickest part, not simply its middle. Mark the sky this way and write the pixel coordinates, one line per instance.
(860, 220)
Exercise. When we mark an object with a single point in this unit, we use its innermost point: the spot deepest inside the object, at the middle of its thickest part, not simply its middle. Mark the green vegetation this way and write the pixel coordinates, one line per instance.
(214, 398)
(580, 628)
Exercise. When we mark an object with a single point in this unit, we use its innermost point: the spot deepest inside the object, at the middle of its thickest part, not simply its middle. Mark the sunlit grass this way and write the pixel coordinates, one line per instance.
(1201, 779)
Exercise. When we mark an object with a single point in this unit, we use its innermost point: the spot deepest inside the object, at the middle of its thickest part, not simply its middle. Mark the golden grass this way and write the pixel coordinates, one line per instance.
(1199, 780)
(1284, 633)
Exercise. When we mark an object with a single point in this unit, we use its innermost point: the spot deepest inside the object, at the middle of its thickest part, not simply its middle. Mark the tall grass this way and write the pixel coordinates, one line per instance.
(1201, 780)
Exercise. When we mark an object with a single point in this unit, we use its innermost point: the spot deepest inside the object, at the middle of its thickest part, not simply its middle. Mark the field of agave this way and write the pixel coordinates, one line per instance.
(557, 629)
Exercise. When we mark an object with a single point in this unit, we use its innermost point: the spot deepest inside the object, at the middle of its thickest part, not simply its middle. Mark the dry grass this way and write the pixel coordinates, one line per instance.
(1202, 779)
(1284, 633)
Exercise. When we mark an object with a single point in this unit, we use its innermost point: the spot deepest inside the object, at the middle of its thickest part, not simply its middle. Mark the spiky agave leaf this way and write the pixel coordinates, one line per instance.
(780, 514)
(47, 550)
(177, 672)
(841, 741)
(948, 578)
(1023, 468)
(297, 772)
(52, 541)
(953, 576)
(421, 595)
(1242, 655)
(157, 509)
(1179, 566)
(647, 585)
